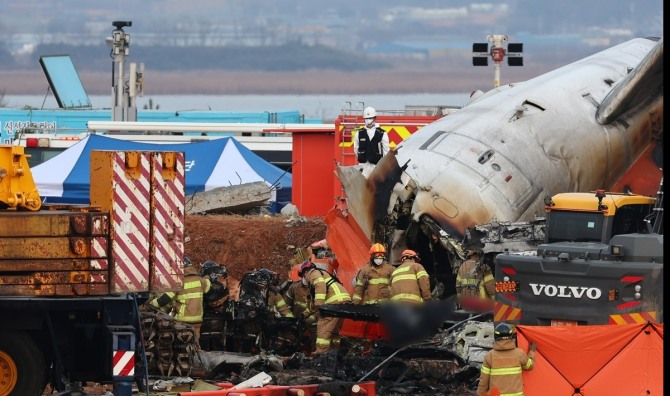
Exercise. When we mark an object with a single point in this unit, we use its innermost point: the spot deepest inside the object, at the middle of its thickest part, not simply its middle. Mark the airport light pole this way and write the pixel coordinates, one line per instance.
(120, 49)
(481, 53)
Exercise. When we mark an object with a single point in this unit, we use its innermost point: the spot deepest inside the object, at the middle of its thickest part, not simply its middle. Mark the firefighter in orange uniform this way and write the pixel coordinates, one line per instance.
(275, 301)
(410, 282)
(503, 365)
(475, 286)
(326, 289)
(372, 283)
(299, 299)
(188, 302)
(216, 299)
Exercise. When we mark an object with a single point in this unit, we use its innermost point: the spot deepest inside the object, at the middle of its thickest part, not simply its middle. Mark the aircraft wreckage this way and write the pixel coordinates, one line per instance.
(577, 128)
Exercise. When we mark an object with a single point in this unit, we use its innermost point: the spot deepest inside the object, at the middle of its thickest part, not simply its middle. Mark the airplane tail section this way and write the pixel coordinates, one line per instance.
(642, 83)
(369, 197)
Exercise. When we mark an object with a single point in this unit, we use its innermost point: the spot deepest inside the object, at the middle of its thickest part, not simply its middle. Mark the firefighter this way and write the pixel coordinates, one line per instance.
(188, 302)
(371, 142)
(410, 282)
(475, 286)
(325, 289)
(299, 299)
(372, 283)
(275, 301)
(217, 296)
(503, 365)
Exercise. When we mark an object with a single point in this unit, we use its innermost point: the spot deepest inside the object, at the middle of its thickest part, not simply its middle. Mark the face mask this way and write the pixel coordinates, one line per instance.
(304, 281)
(378, 261)
(369, 122)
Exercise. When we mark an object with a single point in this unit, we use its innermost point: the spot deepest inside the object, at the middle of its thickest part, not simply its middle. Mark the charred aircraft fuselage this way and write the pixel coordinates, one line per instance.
(577, 128)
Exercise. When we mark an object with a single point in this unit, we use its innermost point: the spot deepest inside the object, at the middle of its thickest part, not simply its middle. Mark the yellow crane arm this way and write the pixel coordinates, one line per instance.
(17, 186)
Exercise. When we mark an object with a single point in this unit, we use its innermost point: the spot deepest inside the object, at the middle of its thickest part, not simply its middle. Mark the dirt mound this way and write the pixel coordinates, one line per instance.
(245, 243)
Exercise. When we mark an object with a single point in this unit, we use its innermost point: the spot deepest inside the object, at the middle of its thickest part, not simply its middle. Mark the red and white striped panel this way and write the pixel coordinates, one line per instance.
(99, 248)
(123, 363)
(130, 226)
(167, 222)
(99, 262)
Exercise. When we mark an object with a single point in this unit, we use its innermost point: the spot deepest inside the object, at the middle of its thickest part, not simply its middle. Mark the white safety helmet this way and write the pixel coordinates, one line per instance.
(369, 112)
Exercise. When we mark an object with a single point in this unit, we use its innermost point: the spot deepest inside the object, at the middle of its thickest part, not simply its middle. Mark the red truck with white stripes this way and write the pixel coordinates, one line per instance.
(71, 275)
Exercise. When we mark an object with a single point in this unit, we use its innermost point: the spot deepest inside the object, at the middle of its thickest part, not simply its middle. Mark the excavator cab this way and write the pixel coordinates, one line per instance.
(17, 186)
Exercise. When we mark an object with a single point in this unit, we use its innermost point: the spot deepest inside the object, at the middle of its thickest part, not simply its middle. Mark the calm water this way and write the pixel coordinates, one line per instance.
(326, 107)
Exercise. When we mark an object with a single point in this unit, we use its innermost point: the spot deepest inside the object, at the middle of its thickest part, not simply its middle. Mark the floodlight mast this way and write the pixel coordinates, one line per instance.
(481, 52)
(122, 110)
(497, 54)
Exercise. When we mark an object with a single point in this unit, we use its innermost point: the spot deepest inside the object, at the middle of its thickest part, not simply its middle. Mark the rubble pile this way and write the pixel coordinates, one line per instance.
(245, 341)
(430, 368)
(244, 243)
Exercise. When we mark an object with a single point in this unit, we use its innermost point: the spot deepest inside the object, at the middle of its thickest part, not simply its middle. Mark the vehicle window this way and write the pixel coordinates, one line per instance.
(627, 218)
(39, 155)
(575, 227)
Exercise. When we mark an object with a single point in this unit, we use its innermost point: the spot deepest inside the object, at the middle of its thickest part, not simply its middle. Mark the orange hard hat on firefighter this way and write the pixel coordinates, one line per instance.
(377, 248)
(305, 267)
(407, 254)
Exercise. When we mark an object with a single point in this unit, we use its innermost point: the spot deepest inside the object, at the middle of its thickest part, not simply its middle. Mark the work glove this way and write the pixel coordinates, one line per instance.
(533, 347)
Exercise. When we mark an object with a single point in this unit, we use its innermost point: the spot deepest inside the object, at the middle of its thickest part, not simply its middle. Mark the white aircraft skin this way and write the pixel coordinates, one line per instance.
(577, 128)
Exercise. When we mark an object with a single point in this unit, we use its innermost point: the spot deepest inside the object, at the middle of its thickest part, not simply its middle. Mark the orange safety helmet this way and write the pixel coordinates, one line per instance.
(377, 248)
(409, 254)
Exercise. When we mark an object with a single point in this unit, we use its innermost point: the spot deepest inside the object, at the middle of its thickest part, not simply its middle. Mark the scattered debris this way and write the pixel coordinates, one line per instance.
(446, 362)
(231, 199)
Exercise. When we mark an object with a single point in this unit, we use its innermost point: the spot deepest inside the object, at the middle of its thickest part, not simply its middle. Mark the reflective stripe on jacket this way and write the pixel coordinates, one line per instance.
(471, 283)
(410, 283)
(373, 284)
(188, 301)
(299, 299)
(278, 304)
(502, 369)
(326, 289)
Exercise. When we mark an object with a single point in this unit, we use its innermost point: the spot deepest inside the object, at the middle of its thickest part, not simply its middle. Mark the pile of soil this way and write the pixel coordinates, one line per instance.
(250, 242)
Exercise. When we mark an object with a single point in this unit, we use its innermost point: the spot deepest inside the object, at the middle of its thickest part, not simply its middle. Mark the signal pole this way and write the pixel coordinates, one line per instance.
(481, 53)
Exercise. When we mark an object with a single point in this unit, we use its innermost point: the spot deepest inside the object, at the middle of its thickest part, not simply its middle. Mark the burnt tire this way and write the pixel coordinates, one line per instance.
(22, 365)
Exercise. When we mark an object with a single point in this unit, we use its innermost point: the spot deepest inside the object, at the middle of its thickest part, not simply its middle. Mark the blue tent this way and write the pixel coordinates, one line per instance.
(209, 164)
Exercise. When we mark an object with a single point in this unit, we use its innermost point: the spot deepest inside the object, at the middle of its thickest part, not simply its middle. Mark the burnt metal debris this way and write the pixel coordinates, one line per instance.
(243, 338)
(448, 363)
